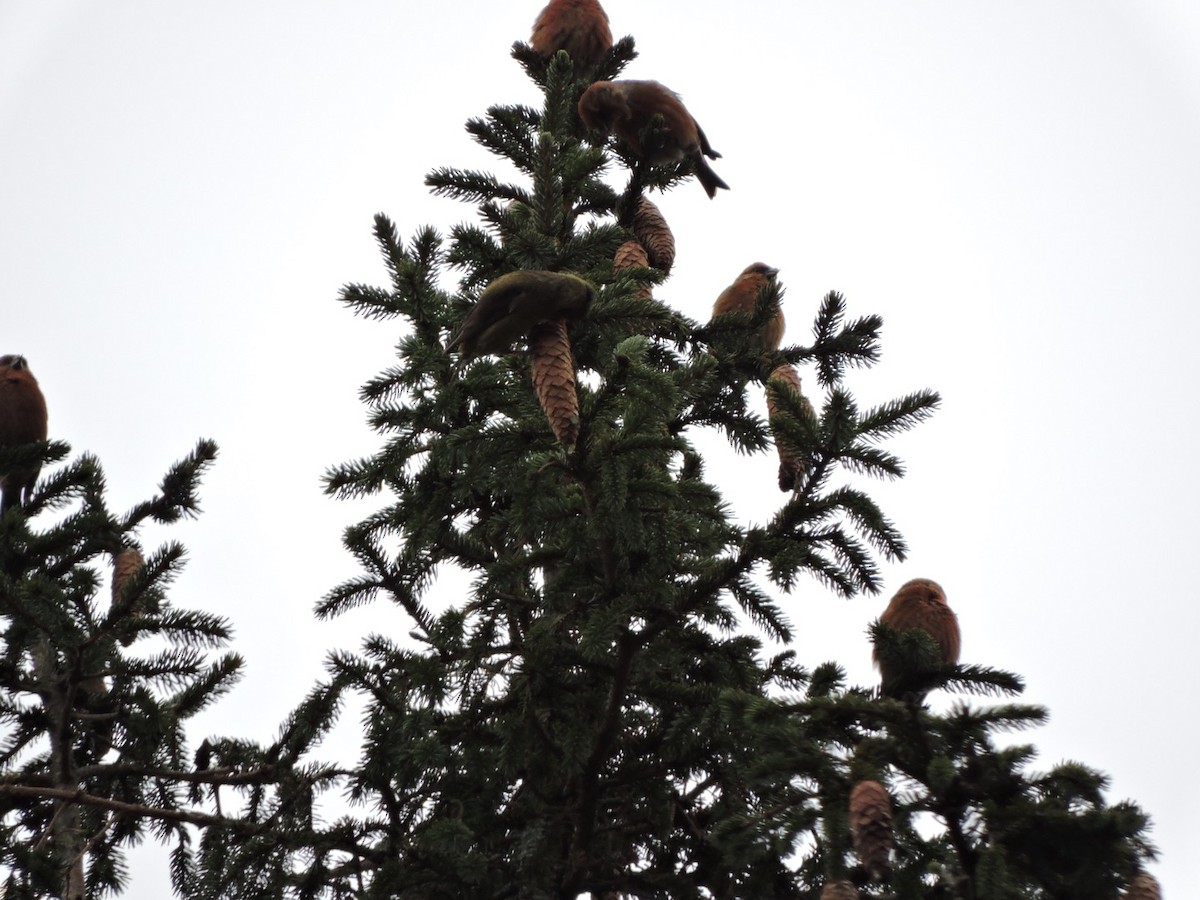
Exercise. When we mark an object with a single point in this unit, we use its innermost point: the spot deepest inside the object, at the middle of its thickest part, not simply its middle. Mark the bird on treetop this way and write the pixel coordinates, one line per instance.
(741, 297)
(510, 306)
(920, 603)
(629, 107)
(22, 421)
(578, 26)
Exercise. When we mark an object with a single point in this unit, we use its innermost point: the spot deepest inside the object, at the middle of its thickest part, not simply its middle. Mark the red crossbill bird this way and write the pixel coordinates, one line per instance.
(742, 295)
(511, 305)
(22, 421)
(578, 26)
(628, 107)
(920, 603)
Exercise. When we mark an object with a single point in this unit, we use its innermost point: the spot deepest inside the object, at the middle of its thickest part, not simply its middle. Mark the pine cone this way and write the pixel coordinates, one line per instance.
(791, 466)
(1143, 887)
(839, 890)
(554, 379)
(871, 828)
(126, 564)
(631, 253)
(652, 231)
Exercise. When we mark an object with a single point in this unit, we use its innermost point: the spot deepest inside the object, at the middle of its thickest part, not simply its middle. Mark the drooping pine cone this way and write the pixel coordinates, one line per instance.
(791, 466)
(871, 828)
(554, 379)
(631, 253)
(652, 231)
(839, 890)
(1143, 887)
(126, 564)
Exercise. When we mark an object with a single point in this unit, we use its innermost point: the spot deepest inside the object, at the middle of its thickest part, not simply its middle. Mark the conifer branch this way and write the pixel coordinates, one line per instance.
(79, 796)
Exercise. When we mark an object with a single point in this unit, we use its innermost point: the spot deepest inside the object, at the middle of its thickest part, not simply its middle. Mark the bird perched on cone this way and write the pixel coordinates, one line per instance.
(578, 26)
(920, 603)
(741, 297)
(511, 305)
(629, 107)
(22, 421)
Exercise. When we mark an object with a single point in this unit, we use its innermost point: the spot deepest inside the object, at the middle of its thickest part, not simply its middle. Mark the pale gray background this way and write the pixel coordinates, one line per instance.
(1014, 186)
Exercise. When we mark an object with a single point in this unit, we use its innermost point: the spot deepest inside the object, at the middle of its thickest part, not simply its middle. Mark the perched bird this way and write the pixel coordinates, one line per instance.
(22, 421)
(578, 26)
(511, 305)
(742, 295)
(920, 603)
(628, 107)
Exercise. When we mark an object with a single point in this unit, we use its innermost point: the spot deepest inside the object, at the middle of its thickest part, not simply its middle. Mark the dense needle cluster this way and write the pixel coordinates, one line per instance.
(598, 692)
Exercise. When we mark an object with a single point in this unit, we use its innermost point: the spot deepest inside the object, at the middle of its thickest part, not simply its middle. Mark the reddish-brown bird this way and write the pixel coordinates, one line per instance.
(920, 603)
(741, 296)
(578, 26)
(627, 108)
(511, 305)
(22, 421)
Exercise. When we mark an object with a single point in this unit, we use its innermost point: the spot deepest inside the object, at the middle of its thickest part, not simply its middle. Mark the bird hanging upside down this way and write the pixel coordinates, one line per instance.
(628, 108)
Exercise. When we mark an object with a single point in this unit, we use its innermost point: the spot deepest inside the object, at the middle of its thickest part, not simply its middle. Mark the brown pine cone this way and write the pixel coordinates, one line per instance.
(652, 231)
(791, 466)
(839, 890)
(871, 828)
(554, 379)
(1143, 887)
(631, 253)
(126, 564)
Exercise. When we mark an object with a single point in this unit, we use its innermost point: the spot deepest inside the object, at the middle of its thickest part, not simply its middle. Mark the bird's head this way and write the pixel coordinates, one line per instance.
(599, 103)
(926, 589)
(761, 268)
(13, 361)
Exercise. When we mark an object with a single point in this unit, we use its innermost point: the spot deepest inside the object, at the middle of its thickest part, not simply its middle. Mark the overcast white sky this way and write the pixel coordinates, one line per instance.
(1014, 186)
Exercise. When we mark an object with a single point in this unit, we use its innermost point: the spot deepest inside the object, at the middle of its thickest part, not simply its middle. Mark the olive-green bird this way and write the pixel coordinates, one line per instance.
(511, 305)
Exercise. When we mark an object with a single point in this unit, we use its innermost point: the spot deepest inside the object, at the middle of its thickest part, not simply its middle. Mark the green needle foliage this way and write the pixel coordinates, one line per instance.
(595, 696)
(96, 693)
(595, 710)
